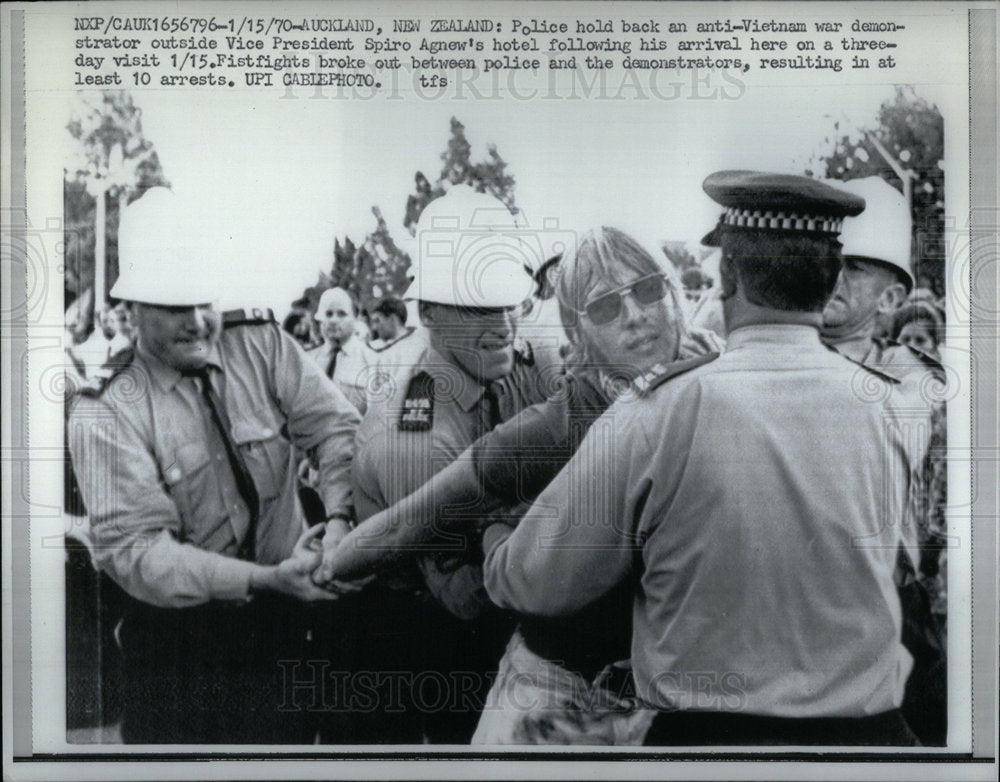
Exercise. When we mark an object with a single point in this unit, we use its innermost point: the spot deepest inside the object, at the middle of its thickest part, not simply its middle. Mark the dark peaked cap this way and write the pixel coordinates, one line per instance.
(784, 203)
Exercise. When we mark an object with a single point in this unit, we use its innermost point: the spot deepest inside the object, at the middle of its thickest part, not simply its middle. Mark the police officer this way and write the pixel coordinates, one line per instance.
(185, 455)
(872, 287)
(875, 280)
(440, 627)
(744, 498)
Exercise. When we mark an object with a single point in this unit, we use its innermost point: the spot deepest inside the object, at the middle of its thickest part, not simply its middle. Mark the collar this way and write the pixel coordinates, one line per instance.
(378, 345)
(858, 348)
(776, 334)
(459, 387)
(166, 377)
(348, 348)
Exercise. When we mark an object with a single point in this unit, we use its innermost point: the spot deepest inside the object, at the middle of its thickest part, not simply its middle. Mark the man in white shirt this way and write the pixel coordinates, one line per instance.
(343, 356)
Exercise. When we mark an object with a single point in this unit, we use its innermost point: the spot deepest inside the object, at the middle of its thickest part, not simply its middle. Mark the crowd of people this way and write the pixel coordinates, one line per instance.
(351, 529)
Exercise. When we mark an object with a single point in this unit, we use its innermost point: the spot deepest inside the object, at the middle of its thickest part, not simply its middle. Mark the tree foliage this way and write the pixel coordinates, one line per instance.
(112, 152)
(378, 267)
(911, 130)
(110, 155)
(486, 176)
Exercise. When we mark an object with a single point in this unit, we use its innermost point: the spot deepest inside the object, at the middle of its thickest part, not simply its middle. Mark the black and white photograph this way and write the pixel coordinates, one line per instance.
(521, 383)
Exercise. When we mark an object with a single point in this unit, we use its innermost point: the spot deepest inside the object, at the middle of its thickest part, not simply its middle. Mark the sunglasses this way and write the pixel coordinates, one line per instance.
(608, 307)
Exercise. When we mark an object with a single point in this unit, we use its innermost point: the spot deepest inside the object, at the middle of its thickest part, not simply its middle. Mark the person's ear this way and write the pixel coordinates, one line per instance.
(426, 310)
(892, 298)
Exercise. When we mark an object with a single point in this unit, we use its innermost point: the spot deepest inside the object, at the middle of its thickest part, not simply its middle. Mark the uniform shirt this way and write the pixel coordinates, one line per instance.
(392, 462)
(925, 382)
(351, 371)
(750, 496)
(522, 455)
(924, 378)
(164, 506)
(389, 359)
(516, 460)
(908, 365)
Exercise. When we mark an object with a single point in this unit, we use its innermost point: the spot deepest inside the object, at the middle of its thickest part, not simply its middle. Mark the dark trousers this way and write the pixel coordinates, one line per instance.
(693, 728)
(215, 674)
(368, 638)
(410, 671)
(460, 665)
(925, 703)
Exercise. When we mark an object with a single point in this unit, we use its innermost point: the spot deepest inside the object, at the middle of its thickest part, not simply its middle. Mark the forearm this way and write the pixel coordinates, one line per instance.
(569, 548)
(412, 523)
(320, 419)
(157, 569)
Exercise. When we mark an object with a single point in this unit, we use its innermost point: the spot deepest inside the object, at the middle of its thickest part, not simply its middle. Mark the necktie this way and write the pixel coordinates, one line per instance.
(331, 367)
(244, 480)
(491, 409)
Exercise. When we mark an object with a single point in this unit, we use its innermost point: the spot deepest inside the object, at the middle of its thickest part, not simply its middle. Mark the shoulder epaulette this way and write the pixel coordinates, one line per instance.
(410, 331)
(417, 414)
(924, 358)
(250, 317)
(661, 373)
(113, 367)
(863, 365)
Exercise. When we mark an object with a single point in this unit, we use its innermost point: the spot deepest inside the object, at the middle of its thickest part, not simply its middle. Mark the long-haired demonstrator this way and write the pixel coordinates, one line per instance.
(621, 312)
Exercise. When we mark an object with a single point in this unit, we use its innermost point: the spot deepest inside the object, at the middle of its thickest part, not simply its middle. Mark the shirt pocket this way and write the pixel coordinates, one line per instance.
(194, 488)
(266, 452)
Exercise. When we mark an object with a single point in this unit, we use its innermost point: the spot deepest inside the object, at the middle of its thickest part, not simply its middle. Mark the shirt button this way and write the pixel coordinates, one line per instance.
(267, 432)
(218, 457)
(174, 474)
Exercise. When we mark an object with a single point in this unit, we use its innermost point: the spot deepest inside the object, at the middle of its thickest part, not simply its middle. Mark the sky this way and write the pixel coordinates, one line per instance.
(287, 176)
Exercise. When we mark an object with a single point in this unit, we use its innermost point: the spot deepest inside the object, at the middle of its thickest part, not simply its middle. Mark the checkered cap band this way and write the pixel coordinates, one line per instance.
(781, 221)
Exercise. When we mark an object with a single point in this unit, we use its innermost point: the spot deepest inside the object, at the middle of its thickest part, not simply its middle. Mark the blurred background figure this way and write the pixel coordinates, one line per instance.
(94, 351)
(300, 324)
(343, 355)
(918, 325)
(387, 323)
(392, 343)
(76, 371)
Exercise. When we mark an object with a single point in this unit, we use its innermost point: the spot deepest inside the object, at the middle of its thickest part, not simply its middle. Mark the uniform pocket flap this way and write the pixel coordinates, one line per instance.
(245, 432)
(188, 459)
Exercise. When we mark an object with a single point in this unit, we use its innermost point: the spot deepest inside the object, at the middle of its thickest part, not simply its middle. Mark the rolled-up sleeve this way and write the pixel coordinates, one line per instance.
(520, 457)
(576, 542)
(134, 520)
(320, 419)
